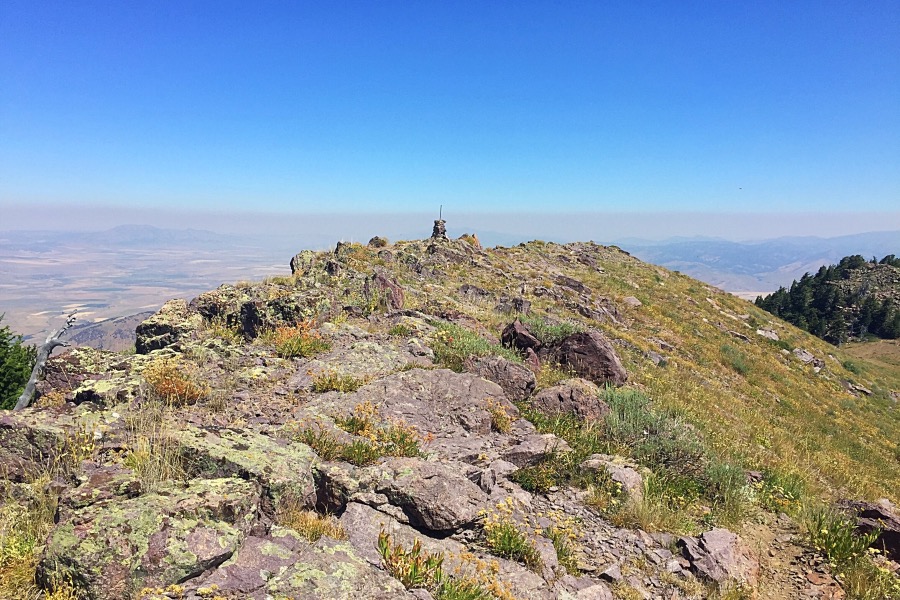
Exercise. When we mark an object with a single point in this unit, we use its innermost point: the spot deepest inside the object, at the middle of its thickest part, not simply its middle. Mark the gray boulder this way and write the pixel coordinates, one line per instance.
(576, 396)
(621, 470)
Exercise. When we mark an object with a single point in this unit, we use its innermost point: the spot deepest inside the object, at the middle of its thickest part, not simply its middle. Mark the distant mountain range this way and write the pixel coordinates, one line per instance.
(755, 267)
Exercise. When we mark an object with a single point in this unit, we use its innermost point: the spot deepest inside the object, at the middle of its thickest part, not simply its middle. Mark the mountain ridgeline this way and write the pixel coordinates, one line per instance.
(855, 298)
(435, 419)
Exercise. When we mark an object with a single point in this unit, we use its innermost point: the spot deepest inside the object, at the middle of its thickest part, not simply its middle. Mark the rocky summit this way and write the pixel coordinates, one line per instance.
(436, 420)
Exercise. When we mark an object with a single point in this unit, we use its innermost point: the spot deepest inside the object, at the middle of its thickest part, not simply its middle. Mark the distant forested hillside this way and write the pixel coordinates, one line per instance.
(855, 298)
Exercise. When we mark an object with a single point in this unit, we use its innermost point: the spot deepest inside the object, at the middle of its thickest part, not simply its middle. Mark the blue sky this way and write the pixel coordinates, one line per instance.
(387, 107)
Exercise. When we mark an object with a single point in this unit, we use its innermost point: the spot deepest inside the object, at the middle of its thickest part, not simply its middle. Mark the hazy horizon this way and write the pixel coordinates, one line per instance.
(565, 226)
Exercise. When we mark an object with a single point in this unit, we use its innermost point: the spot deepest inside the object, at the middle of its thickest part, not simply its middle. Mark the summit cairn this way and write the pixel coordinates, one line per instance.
(440, 230)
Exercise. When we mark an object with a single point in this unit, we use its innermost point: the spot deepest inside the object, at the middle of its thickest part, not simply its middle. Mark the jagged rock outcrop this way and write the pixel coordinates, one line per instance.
(359, 419)
(174, 323)
(516, 335)
(303, 262)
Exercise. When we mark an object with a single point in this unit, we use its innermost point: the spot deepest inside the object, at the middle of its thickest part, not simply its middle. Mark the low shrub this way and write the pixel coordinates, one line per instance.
(501, 421)
(835, 536)
(453, 345)
(174, 382)
(550, 333)
(856, 565)
(734, 358)
(508, 539)
(333, 381)
(299, 340)
(376, 437)
(417, 568)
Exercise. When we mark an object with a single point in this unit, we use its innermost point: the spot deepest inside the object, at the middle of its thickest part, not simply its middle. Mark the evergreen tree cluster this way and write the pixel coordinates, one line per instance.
(818, 304)
(16, 362)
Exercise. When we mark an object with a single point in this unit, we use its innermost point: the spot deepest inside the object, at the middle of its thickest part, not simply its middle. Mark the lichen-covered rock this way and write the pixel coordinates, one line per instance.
(517, 380)
(112, 549)
(283, 564)
(592, 357)
(331, 570)
(281, 466)
(170, 327)
(363, 359)
(32, 438)
(572, 396)
(303, 262)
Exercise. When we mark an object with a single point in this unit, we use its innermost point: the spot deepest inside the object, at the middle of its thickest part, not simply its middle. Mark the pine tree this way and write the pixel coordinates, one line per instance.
(16, 362)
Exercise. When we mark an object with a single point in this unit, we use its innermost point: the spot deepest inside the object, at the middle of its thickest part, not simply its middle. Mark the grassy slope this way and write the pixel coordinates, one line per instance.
(880, 358)
(755, 404)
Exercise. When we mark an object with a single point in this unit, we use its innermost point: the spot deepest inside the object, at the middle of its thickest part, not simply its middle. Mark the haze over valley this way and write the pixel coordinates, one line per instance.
(133, 269)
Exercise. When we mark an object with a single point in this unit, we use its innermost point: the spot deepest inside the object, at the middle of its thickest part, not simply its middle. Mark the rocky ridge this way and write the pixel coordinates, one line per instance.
(364, 421)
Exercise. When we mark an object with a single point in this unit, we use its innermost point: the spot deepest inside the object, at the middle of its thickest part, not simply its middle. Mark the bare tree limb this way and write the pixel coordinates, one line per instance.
(53, 342)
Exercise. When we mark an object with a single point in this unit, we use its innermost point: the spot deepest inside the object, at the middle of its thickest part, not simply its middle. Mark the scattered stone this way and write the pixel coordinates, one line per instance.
(377, 242)
(768, 334)
(513, 305)
(806, 357)
(632, 301)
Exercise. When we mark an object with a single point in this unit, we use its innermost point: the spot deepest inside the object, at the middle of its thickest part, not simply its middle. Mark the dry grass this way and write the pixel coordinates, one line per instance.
(174, 382)
(308, 523)
(25, 523)
(152, 453)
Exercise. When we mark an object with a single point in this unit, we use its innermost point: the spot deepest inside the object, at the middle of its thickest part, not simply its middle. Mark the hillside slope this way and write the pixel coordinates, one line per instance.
(852, 299)
(372, 385)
